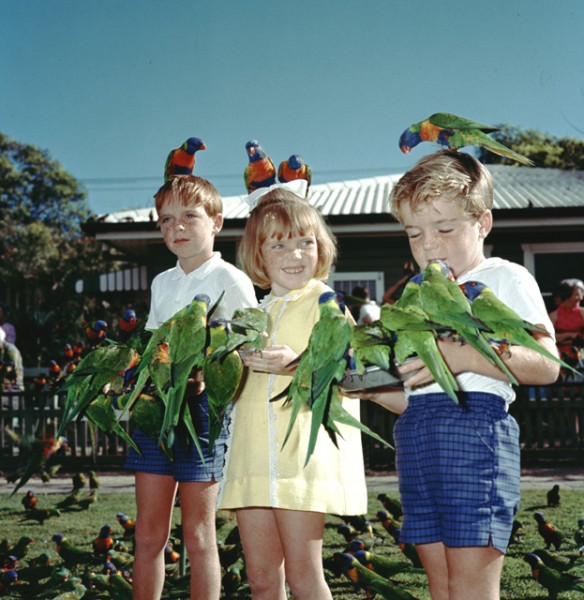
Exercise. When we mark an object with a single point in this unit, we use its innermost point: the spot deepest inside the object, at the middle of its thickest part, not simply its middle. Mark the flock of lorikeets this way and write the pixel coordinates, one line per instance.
(365, 552)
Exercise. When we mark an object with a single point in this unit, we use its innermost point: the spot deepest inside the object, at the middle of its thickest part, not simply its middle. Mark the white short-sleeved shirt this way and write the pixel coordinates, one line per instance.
(514, 285)
(174, 289)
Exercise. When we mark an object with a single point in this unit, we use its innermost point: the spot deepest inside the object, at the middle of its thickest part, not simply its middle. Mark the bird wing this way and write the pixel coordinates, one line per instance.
(451, 121)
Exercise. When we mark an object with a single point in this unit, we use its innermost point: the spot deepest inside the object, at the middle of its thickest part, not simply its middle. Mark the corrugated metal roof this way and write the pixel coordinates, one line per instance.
(515, 187)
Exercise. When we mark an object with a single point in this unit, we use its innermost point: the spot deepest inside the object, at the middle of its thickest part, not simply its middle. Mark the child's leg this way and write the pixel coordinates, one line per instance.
(264, 558)
(154, 499)
(301, 534)
(452, 572)
(433, 557)
(474, 568)
(197, 504)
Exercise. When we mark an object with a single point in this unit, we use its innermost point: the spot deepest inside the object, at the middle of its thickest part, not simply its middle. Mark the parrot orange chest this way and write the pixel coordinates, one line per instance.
(183, 159)
(429, 132)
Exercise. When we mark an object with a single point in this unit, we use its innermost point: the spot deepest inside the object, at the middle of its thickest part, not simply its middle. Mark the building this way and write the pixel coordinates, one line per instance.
(538, 222)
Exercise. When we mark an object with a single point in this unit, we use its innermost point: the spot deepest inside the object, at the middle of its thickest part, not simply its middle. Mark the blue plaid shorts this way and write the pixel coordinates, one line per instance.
(186, 464)
(459, 470)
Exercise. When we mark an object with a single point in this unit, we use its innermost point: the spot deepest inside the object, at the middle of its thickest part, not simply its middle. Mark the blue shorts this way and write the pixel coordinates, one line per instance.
(459, 470)
(186, 464)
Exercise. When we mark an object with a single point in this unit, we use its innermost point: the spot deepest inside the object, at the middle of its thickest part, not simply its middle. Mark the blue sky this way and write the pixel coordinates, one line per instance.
(109, 87)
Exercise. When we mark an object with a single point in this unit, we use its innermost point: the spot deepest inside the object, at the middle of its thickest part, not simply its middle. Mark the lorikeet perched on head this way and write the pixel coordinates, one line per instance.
(455, 132)
(181, 161)
(260, 170)
(294, 168)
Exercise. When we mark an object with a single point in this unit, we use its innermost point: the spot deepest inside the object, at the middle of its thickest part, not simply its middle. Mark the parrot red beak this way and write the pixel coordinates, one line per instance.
(405, 149)
(203, 147)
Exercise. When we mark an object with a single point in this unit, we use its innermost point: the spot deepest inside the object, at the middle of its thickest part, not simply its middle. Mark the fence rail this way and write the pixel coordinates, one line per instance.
(551, 421)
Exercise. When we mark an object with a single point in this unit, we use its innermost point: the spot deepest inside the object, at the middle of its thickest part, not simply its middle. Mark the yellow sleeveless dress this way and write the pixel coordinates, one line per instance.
(258, 471)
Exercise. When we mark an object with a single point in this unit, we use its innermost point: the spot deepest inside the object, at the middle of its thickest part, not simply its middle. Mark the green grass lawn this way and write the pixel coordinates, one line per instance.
(81, 526)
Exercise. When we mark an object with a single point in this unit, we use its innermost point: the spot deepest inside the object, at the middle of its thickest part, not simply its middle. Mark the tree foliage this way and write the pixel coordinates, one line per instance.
(544, 150)
(43, 250)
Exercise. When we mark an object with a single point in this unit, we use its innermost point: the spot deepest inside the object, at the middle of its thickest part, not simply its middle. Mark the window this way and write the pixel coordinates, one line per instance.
(345, 282)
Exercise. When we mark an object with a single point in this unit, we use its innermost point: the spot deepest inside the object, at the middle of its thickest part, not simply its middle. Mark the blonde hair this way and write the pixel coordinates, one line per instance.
(189, 190)
(279, 214)
(448, 175)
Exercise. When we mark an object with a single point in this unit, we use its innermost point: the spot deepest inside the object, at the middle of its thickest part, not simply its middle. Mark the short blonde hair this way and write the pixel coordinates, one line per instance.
(189, 190)
(278, 214)
(449, 175)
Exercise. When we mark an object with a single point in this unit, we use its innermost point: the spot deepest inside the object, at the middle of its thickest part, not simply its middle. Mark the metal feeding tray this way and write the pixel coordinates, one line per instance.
(371, 378)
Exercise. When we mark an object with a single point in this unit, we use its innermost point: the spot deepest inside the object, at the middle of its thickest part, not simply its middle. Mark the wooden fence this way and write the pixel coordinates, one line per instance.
(551, 420)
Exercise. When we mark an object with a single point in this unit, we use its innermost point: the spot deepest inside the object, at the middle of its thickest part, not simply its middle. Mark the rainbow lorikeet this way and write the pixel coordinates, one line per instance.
(96, 332)
(260, 170)
(294, 168)
(551, 579)
(222, 376)
(444, 303)
(181, 161)
(455, 132)
(503, 322)
(320, 368)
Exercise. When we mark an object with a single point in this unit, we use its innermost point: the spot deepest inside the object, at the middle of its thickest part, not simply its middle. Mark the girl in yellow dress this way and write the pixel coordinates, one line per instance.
(281, 503)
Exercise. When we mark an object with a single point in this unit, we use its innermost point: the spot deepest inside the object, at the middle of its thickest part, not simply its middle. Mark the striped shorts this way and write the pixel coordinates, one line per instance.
(459, 470)
(186, 464)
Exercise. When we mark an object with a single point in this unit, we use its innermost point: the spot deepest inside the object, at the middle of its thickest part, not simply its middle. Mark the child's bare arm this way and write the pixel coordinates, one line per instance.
(275, 359)
(528, 366)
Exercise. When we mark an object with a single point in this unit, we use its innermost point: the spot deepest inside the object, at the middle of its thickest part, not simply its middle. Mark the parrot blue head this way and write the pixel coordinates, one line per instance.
(109, 568)
(296, 162)
(409, 139)
(361, 556)
(472, 289)
(254, 151)
(538, 516)
(327, 297)
(220, 322)
(442, 267)
(129, 314)
(203, 298)
(58, 538)
(382, 515)
(193, 144)
(356, 545)
(533, 560)
(99, 325)
(105, 531)
(419, 278)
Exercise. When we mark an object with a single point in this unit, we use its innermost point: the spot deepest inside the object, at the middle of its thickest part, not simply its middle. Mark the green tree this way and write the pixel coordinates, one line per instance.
(43, 250)
(544, 150)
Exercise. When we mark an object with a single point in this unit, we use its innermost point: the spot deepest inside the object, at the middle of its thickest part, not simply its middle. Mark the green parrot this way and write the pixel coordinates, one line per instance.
(416, 335)
(147, 413)
(371, 346)
(551, 579)
(503, 322)
(383, 565)
(320, 367)
(556, 560)
(445, 303)
(186, 343)
(71, 555)
(101, 415)
(105, 365)
(222, 374)
(247, 330)
(322, 362)
(455, 132)
(367, 579)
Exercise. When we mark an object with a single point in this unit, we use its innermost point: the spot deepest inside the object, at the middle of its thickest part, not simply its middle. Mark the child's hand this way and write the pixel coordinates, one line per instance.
(275, 359)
